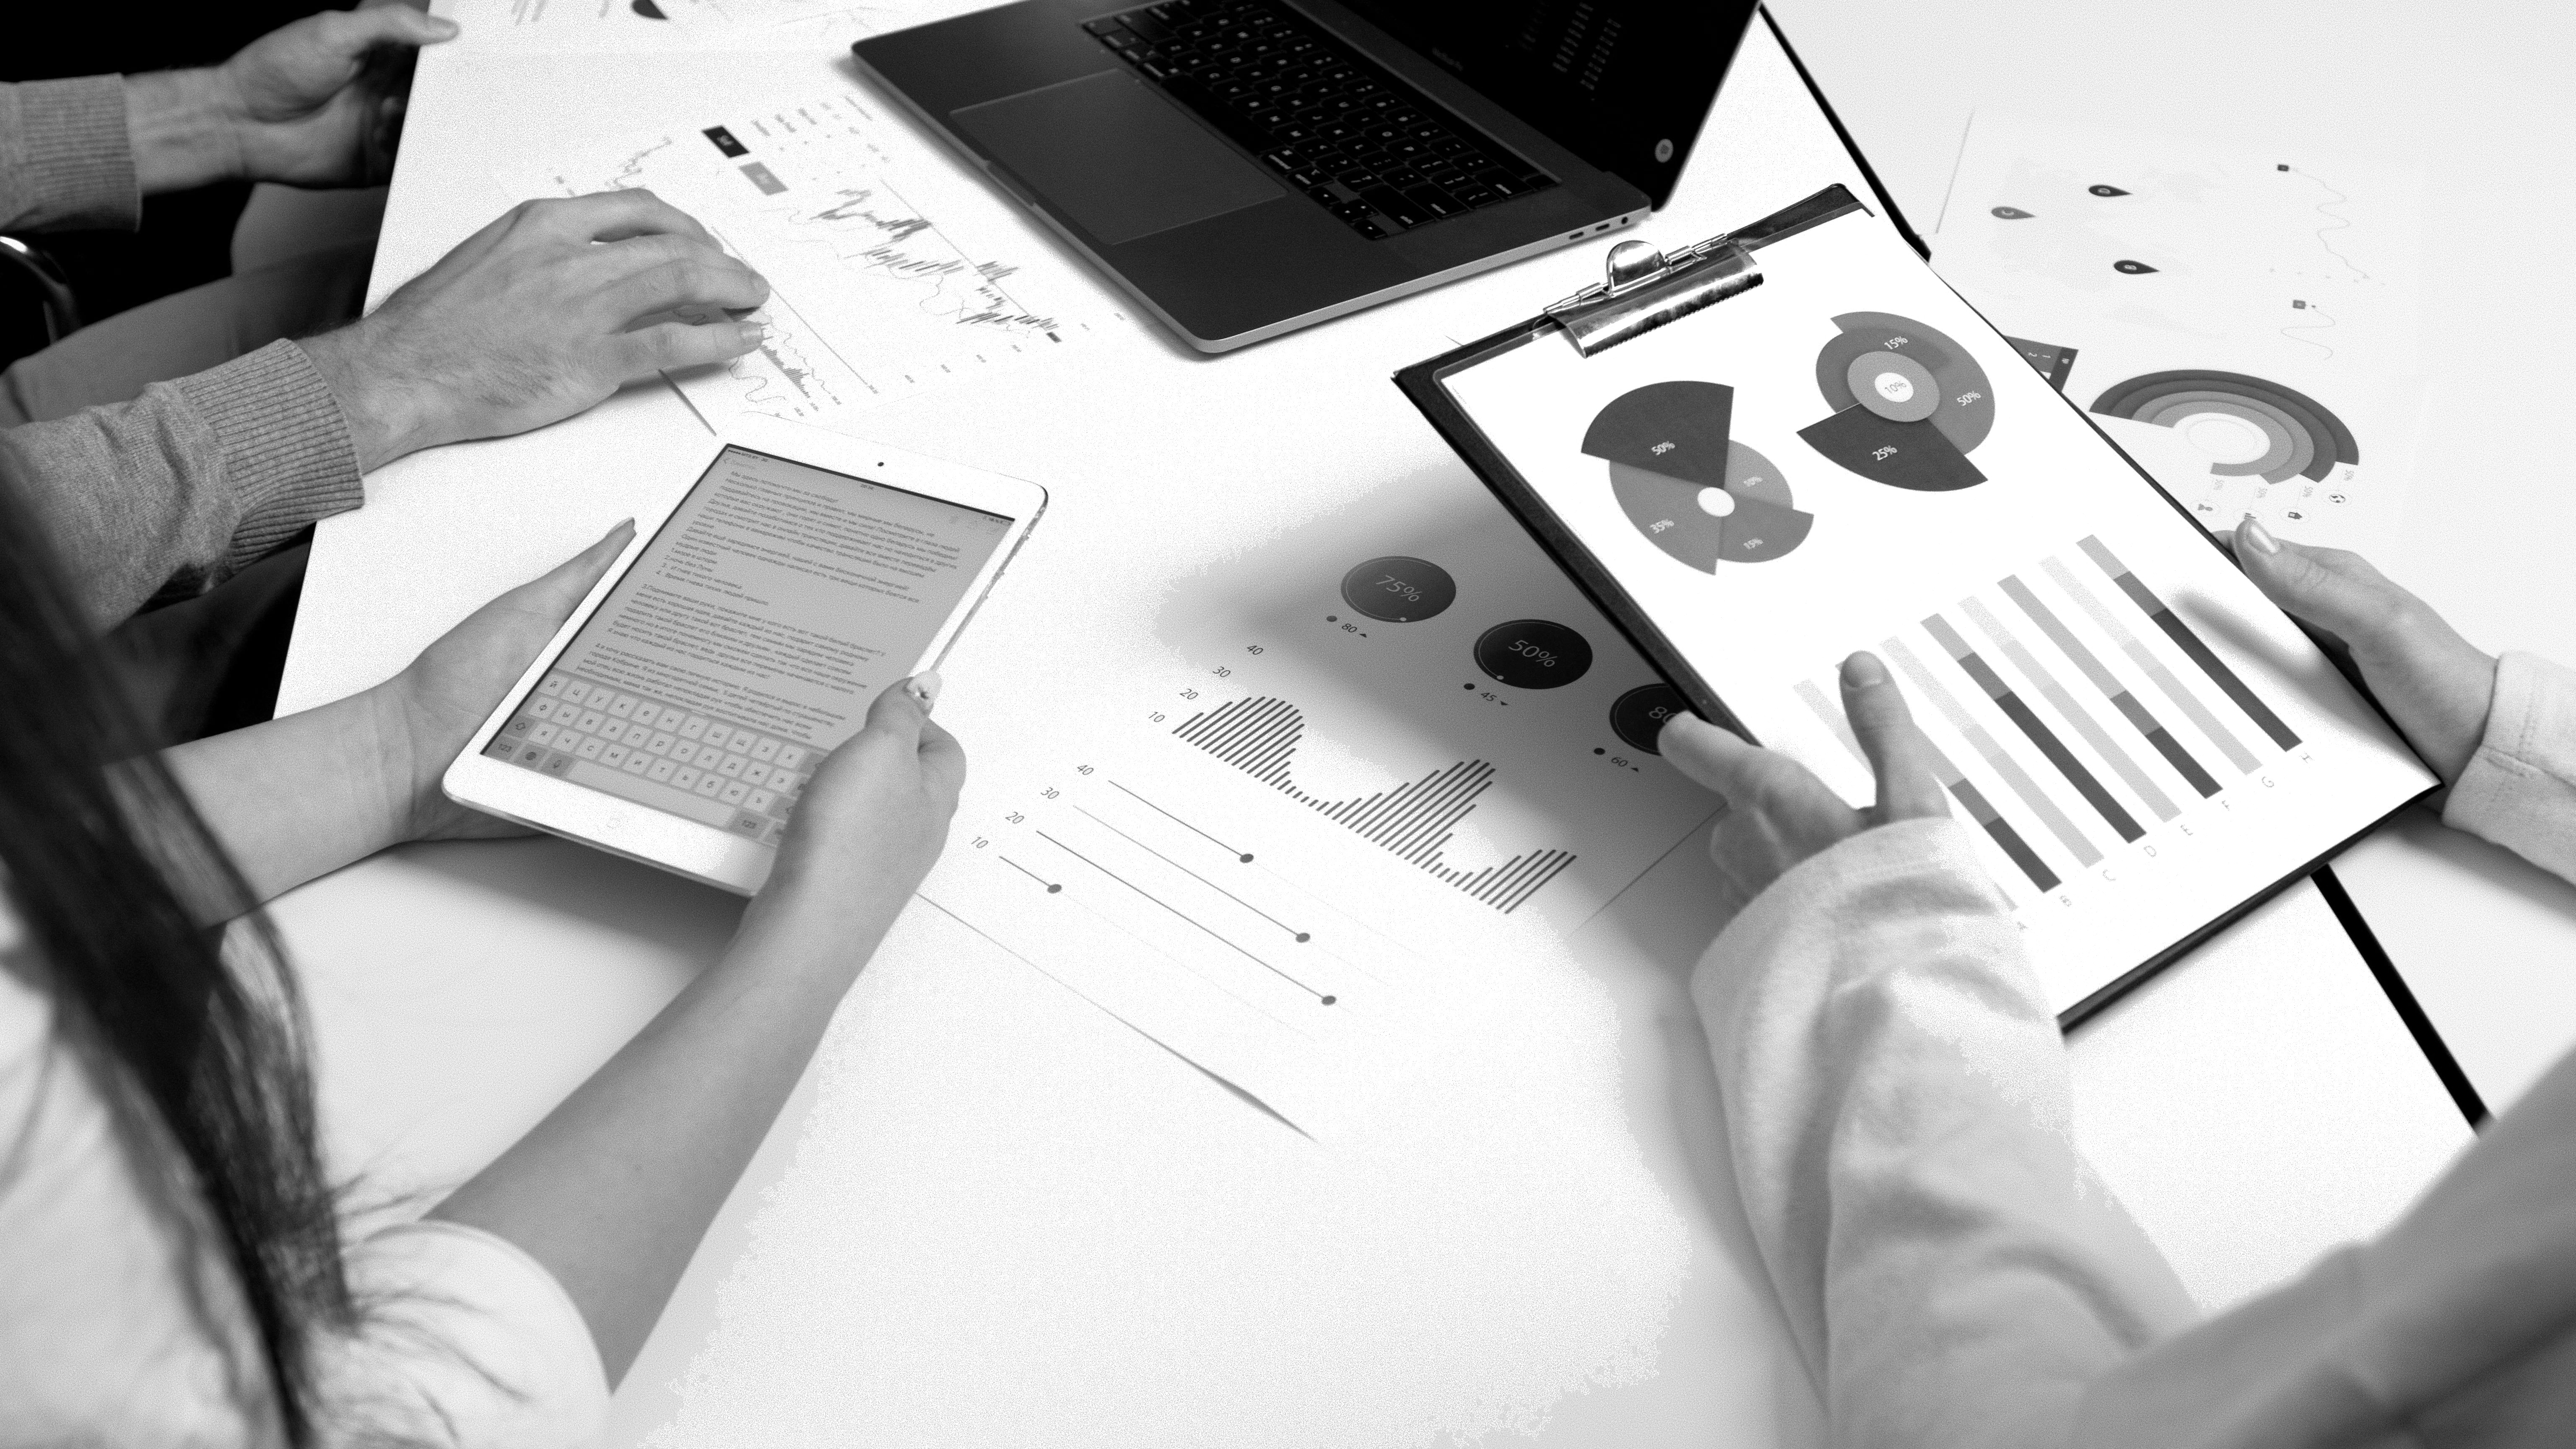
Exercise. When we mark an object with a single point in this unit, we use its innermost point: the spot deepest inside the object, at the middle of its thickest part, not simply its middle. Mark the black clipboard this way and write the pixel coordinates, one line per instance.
(1644, 290)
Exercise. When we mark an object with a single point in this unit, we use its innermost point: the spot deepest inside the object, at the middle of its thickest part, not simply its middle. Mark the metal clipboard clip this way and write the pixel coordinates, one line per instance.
(1646, 289)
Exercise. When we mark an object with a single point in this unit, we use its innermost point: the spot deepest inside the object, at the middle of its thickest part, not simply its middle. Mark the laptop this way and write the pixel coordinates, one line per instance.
(1244, 168)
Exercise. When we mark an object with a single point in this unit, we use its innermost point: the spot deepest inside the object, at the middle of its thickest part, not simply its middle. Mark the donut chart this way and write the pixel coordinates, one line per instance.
(2247, 426)
(1399, 590)
(1694, 492)
(1909, 404)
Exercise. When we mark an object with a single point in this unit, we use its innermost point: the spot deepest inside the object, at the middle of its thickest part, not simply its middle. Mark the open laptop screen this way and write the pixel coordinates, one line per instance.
(1622, 83)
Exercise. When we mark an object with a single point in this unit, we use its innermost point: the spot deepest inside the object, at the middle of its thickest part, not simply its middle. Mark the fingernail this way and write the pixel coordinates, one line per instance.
(925, 688)
(2252, 531)
(1863, 671)
(441, 26)
(753, 334)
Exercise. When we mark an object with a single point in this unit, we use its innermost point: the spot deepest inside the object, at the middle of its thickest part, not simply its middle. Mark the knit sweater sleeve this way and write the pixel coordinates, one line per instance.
(189, 482)
(66, 160)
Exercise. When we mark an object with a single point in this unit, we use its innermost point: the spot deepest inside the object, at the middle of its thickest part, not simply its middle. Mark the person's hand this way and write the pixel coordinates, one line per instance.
(1778, 813)
(315, 103)
(871, 822)
(533, 319)
(427, 713)
(2436, 685)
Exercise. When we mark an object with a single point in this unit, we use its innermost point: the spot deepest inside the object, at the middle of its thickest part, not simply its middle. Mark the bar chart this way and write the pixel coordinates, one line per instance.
(2047, 681)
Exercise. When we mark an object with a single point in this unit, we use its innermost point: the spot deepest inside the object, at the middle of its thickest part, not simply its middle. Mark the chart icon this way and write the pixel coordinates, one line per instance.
(1534, 654)
(1693, 491)
(2247, 426)
(1909, 404)
(1399, 590)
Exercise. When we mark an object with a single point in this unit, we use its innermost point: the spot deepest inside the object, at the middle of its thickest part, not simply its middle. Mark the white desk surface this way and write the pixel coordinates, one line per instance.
(1017, 1198)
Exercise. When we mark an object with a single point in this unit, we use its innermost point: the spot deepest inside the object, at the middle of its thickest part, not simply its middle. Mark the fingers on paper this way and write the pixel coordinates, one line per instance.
(2331, 588)
(675, 345)
(613, 216)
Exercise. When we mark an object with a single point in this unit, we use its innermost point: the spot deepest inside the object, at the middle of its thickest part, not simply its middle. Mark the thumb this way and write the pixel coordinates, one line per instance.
(391, 22)
(555, 594)
(943, 759)
(2334, 590)
(902, 709)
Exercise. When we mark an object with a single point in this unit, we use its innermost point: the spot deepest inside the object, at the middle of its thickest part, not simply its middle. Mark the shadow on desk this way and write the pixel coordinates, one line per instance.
(604, 891)
(517, 967)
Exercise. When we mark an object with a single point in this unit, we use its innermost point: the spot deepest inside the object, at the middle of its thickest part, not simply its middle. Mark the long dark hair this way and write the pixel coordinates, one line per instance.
(199, 1043)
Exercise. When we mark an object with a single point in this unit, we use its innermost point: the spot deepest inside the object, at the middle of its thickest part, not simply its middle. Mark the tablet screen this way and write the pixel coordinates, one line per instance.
(749, 639)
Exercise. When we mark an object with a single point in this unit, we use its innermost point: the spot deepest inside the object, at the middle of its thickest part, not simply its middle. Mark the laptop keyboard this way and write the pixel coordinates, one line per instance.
(726, 774)
(1365, 145)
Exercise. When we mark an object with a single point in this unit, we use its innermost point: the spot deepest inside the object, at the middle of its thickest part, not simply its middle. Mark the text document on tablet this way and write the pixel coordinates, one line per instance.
(749, 640)
(1846, 456)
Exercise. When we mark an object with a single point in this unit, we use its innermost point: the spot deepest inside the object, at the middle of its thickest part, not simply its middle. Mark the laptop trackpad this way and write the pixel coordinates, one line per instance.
(1117, 158)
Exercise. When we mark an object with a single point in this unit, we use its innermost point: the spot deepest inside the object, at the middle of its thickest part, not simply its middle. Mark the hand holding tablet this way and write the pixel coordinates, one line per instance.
(679, 716)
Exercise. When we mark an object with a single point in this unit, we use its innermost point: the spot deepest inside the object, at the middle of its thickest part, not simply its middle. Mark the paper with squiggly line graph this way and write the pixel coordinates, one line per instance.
(887, 275)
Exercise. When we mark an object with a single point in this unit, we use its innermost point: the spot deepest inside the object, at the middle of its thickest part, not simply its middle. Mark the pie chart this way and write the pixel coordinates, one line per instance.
(2247, 426)
(1694, 492)
(1909, 404)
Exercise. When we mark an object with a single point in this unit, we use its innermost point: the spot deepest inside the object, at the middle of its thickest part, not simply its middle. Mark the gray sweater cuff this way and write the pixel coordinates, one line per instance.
(286, 449)
(65, 158)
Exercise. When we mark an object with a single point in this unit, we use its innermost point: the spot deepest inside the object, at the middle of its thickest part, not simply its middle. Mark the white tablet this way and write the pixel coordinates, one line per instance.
(679, 712)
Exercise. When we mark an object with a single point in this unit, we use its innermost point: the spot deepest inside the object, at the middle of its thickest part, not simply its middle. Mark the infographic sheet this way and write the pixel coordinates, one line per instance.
(1384, 755)
(2244, 323)
(1846, 458)
(888, 274)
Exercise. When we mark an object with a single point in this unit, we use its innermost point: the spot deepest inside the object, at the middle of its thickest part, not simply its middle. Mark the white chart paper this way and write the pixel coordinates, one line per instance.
(625, 26)
(1300, 850)
(2242, 322)
(1845, 458)
(888, 275)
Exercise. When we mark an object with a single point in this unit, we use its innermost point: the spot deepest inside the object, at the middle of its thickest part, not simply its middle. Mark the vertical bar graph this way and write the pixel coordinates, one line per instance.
(2183, 699)
(2112, 689)
(1995, 755)
(1970, 798)
(2027, 720)
(2074, 714)
(2190, 644)
(2002, 778)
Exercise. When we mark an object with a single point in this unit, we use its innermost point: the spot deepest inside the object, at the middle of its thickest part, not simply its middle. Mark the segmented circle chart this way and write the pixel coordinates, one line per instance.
(1692, 490)
(1909, 404)
(2248, 427)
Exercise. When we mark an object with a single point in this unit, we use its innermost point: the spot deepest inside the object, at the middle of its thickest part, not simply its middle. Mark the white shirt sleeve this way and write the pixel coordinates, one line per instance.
(1898, 1108)
(2519, 789)
(466, 1341)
